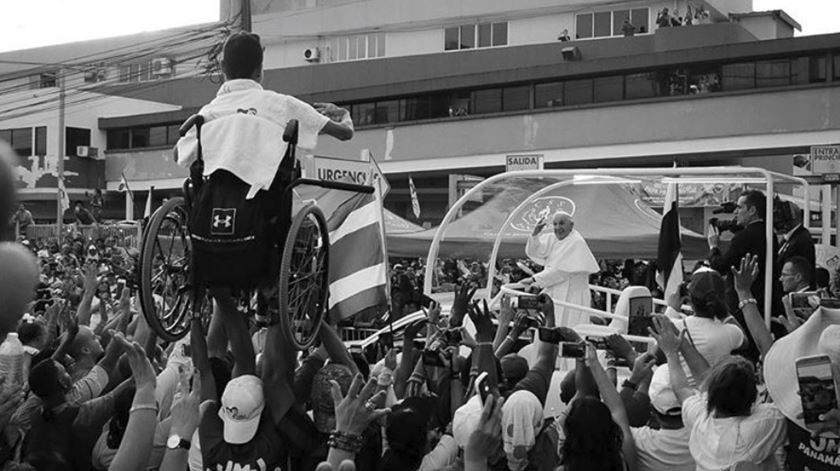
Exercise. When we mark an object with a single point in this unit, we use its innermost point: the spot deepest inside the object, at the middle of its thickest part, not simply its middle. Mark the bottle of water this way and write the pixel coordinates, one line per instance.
(11, 360)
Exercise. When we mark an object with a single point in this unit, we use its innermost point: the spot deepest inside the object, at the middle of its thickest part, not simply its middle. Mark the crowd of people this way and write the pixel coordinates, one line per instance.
(693, 16)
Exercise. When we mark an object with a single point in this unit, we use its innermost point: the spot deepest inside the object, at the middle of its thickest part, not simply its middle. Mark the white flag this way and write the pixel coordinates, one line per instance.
(415, 203)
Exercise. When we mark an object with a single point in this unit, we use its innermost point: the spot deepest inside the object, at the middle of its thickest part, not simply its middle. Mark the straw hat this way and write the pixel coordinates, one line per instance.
(819, 335)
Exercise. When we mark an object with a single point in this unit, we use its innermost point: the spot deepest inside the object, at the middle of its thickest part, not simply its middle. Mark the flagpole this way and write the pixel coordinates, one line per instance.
(377, 189)
(61, 152)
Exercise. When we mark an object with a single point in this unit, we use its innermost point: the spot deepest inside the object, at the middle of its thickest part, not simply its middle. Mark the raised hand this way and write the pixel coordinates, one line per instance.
(746, 274)
(621, 347)
(482, 320)
(463, 295)
(391, 359)
(642, 368)
(666, 335)
(89, 280)
(141, 369)
(355, 411)
(506, 312)
(184, 411)
(433, 313)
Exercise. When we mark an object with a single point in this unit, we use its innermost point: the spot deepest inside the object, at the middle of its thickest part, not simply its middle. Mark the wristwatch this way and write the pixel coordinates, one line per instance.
(175, 441)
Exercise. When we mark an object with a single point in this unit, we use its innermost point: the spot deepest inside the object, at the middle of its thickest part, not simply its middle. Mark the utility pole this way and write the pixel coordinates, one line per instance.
(245, 15)
(62, 187)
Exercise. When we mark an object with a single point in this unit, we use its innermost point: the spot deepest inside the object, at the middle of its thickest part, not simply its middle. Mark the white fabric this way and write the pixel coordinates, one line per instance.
(718, 444)
(713, 339)
(662, 450)
(243, 132)
(522, 416)
(444, 454)
(568, 264)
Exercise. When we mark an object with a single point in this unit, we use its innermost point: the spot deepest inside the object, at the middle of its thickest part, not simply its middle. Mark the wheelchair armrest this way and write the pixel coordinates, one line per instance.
(290, 135)
(194, 120)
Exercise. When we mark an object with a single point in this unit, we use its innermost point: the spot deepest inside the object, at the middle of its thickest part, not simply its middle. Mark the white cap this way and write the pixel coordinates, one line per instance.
(242, 406)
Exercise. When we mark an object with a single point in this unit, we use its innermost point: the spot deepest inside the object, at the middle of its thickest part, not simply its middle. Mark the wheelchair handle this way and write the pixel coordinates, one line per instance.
(194, 120)
(290, 135)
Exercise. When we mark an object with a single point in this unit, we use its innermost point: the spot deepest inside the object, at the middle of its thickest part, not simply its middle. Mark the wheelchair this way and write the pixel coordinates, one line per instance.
(171, 294)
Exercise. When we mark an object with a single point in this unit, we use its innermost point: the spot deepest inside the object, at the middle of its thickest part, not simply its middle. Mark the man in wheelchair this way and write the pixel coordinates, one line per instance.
(240, 145)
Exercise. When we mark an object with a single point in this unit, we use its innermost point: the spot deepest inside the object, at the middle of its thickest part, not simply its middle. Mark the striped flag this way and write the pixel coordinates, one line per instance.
(669, 258)
(415, 203)
(358, 266)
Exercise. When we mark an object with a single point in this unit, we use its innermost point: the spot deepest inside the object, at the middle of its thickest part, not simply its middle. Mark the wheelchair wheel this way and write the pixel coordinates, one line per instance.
(165, 294)
(304, 277)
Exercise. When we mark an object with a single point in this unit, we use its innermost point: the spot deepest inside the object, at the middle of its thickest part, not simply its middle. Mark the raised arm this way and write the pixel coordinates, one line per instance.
(335, 347)
(744, 278)
(546, 352)
(136, 445)
(278, 372)
(406, 365)
(669, 341)
(506, 316)
(198, 349)
(613, 401)
(484, 358)
(83, 312)
(236, 328)
(340, 125)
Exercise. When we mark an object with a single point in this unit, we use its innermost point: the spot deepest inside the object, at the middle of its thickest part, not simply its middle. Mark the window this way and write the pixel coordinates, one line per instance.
(485, 34)
(74, 137)
(172, 133)
(641, 85)
(20, 139)
(516, 98)
(48, 80)
(472, 36)
(363, 113)
(739, 76)
(836, 66)
(547, 95)
(467, 36)
(119, 138)
(487, 101)
(500, 33)
(387, 111)
(139, 137)
(414, 108)
(363, 46)
(577, 92)
(620, 16)
(459, 104)
(157, 136)
(772, 73)
(41, 140)
(450, 39)
(584, 26)
(608, 23)
(608, 88)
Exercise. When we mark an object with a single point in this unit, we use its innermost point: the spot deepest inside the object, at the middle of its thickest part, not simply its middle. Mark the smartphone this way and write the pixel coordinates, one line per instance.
(120, 286)
(432, 358)
(600, 343)
(817, 388)
(453, 336)
(185, 350)
(426, 301)
(482, 386)
(387, 339)
(572, 349)
(640, 316)
(528, 302)
(550, 335)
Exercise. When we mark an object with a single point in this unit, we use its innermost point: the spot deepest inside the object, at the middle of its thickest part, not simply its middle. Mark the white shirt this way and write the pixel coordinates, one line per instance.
(662, 450)
(718, 444)
(243, 132)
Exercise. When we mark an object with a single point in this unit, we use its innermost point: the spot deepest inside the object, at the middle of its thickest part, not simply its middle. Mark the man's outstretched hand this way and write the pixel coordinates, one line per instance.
(463, 294)
(483, 321)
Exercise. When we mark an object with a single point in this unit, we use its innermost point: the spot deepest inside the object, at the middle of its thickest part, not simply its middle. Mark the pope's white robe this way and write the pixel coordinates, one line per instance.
(568, 264)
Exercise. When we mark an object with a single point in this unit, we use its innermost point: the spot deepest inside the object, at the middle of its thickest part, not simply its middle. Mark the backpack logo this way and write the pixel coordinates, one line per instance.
(223, 221)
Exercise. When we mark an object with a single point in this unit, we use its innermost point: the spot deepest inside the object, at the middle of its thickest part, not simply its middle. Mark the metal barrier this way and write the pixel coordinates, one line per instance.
(124, 231)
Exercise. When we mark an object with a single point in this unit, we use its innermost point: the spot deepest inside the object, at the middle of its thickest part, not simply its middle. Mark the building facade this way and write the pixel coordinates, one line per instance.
(443, 91)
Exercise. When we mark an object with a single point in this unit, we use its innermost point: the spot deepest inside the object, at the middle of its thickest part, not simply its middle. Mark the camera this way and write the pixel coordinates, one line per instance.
(725, 225)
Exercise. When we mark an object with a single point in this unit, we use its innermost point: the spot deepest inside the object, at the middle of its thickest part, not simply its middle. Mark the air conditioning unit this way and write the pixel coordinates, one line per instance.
(161, 66)
(87, 151)
(312, 54)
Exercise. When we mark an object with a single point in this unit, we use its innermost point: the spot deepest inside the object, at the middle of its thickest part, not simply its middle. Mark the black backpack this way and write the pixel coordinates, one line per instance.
(230, 234)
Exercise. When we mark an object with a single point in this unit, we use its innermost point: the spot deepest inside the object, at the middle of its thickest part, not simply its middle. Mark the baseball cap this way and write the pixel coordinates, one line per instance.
(242, 406)
(662, 397)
